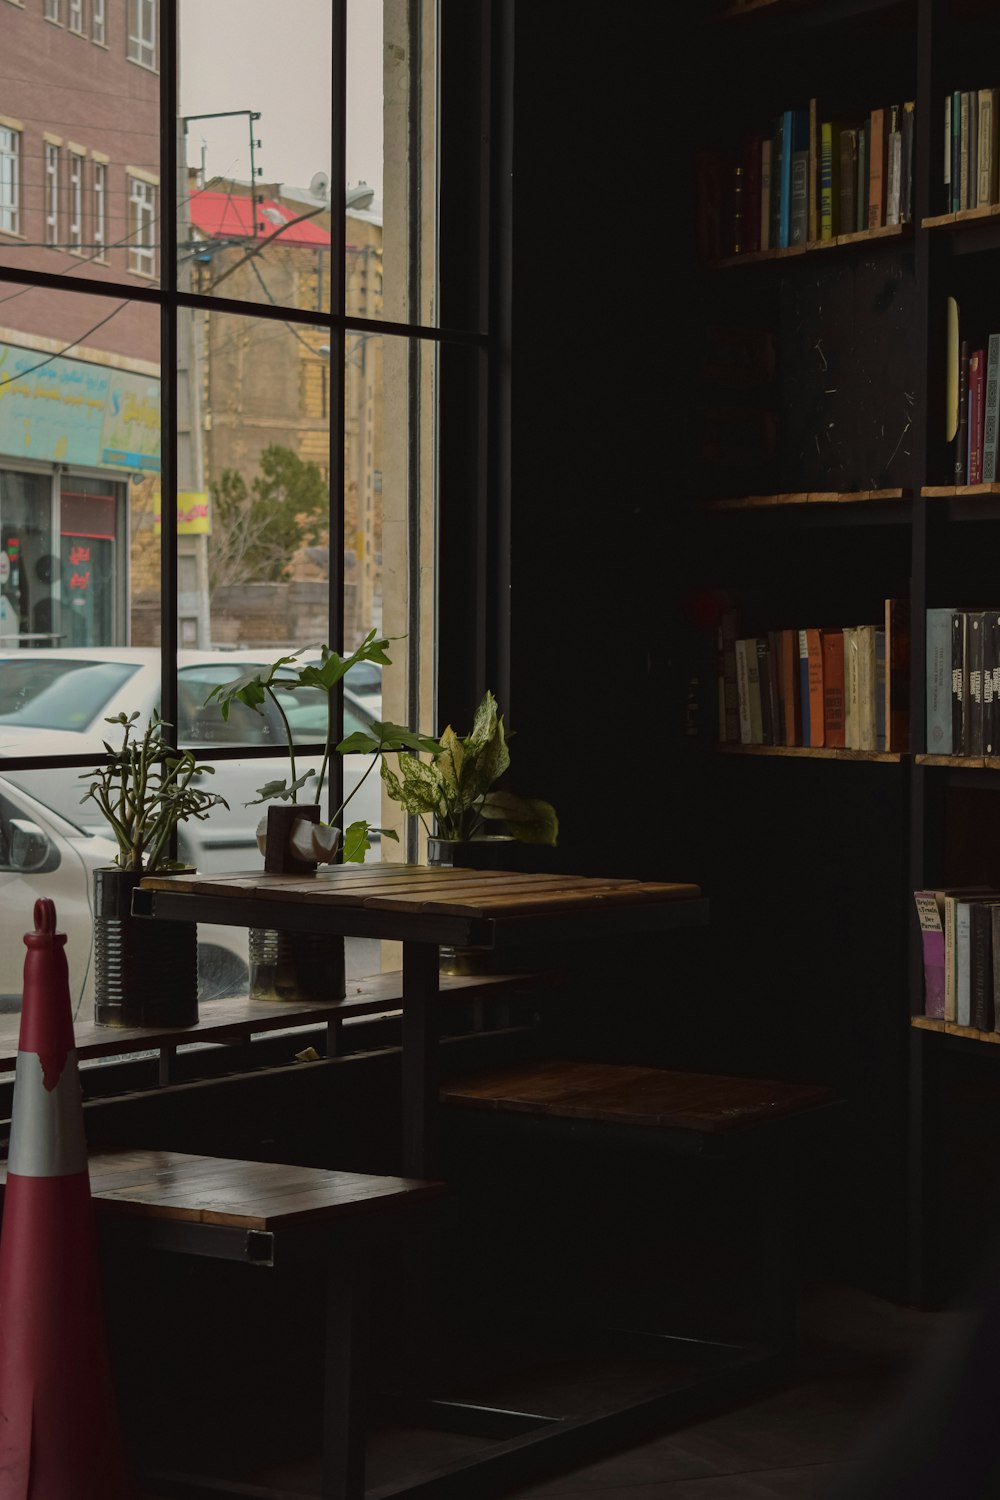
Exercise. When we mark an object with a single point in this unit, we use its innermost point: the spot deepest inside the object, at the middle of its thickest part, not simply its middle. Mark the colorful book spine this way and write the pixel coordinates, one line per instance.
(991, 409)
(991, 683)
(804, 687)
(959, 682)
(956, 151)
(861, 210)
(986, 193)
(962, 934)
(788, 651)
(814, 660)
(787, 152)
(962, 435)
(938, 694)
(876, 169)
(833, 688)
(826, 220)
(813, 223)
(929, 914)
(946, 200)
(977, 364)
(766, 148)
(907, 128)
(974, 680)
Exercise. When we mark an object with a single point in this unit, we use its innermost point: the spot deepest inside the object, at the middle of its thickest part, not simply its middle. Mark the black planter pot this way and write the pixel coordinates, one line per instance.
(145, 972)
(299, 967)
(498, 852)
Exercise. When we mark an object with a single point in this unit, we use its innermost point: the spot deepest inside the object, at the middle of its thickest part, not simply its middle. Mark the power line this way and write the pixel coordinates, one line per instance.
(9, 380)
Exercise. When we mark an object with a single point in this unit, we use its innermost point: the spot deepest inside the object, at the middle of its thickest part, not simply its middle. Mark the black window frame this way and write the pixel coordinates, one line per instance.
(475, 90)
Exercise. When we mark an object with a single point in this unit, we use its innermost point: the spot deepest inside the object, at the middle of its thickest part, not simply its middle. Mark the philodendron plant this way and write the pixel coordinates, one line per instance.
(291, 674)
(456, 786)
(145, 791)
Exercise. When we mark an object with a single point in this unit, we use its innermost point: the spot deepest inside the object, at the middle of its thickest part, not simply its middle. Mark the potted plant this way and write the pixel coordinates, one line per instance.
(144, 976)
(310, 966)
(475, 822)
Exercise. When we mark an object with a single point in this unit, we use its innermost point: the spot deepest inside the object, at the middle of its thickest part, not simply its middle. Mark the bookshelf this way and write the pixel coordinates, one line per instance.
(848, 401)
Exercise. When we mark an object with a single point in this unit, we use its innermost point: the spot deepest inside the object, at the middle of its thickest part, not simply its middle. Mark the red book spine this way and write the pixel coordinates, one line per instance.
(833, 689)
(977, 363)
(817, 708)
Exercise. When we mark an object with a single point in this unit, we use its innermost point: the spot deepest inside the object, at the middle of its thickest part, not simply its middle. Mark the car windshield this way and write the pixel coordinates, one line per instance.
(58, 693)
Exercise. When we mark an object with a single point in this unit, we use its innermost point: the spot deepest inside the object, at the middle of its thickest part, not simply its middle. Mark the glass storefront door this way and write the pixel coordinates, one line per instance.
(28, 566)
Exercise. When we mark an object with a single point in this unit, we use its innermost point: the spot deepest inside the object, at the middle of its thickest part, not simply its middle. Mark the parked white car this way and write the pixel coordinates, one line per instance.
(55, 702)
(43, 854)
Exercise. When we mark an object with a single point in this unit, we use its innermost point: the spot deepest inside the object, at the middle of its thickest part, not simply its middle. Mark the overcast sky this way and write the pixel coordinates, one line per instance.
(274, 56)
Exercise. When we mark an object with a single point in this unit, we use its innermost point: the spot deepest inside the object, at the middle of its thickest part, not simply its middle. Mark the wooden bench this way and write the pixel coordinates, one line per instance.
(269, 1215)
(694, 1114)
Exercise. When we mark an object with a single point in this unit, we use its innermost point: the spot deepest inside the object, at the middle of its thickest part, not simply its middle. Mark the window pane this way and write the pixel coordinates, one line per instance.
(69, 103)
(391, 245)
(255, 102)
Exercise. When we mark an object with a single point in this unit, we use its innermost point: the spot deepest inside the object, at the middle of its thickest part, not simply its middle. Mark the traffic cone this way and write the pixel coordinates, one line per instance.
(59, 1436)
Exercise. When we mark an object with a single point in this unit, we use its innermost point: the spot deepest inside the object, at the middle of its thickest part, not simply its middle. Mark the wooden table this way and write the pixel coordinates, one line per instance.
(425, 907)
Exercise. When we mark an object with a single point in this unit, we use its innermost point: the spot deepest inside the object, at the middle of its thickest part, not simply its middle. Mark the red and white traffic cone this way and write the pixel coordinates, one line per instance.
(59, 1436)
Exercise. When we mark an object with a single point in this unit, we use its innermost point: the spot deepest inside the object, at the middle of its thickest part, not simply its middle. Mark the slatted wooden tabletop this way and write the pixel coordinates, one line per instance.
(438, 890)
(248, 1195)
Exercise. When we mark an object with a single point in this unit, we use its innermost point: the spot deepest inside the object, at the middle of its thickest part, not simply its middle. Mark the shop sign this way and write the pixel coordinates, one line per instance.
(194, 514)
(59, 410)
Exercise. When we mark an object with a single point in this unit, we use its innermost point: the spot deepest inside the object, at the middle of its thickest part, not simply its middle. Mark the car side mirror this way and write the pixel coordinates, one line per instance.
(31, 849)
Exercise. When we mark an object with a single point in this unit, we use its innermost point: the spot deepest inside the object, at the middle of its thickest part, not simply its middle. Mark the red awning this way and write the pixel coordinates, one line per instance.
(224, 216)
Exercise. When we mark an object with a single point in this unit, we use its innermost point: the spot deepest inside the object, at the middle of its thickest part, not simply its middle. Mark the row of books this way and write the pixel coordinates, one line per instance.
(960, 935)
(845, 688)
(963, 682)
(973, 403)
(808, 180)
(971, 149)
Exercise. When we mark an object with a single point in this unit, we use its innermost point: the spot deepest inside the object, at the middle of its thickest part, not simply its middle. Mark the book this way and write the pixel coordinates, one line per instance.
(959, 685)
(763, 679)
(987, 161)
(956, 152)
(765, 194)
(930, 915)
(952, 361)
(946, 199)
(894, 164)
(847, 181)
(861, 190)
(733, 229)
(938, 681)
(866, 687)
(790, 687)
(751, 194)
(963, 151)
(777, 145)
(743, 691)
(977, 365)
(814, 657)
(799, 188)
(850, 688)
(813, 224)
(995, 923)
(962, 433)
(907, 128)
(877, 143)
(833, 688)
(991, 409)
(897, 675)
(881, 691)
(950, 899)
(753, 694)
(962, 974)
(981, 1007)
(974, 683)
(827, 222)
(804, 688)
(991, 683)
(785, 179)
(973, 150)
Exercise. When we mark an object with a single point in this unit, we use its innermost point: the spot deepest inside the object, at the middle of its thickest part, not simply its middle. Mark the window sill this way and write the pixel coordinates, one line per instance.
(146, 67)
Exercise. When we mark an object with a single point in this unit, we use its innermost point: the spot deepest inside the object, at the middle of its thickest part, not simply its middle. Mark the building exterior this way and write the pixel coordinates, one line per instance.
(79, 386)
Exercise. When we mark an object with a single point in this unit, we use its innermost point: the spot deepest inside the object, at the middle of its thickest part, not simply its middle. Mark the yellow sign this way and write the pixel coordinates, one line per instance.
(194, 514)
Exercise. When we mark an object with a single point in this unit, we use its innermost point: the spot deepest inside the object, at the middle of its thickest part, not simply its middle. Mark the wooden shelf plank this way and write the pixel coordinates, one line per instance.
(948, 1028)
(960, 762)
(957, 491)
(812, 752)
(860, 236)
(806, 497)
(963, 216)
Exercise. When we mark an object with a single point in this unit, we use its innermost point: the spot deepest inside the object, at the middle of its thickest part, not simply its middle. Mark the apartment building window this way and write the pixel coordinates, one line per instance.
(100, 208)
(76, 16)
(51, 193)
(142, 227)
(10, 180)
(53, 11)
(98, 23)
(142, 32)
(76, 202)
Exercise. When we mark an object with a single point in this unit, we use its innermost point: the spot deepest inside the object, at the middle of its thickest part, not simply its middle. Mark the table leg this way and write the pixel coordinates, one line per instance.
(345, 1388)
(420, 1059)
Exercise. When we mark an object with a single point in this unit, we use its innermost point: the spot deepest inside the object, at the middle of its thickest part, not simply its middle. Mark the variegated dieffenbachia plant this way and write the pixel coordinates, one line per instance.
(456, 786)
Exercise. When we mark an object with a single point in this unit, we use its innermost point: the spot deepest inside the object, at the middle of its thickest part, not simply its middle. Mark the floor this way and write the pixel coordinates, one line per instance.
(796, 1443)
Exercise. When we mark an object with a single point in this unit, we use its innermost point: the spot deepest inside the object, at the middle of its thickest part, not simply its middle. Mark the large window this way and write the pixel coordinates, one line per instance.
(10, 180)
(323, 376)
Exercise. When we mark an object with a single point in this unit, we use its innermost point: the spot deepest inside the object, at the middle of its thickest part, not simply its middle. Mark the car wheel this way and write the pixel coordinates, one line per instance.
(220, 973)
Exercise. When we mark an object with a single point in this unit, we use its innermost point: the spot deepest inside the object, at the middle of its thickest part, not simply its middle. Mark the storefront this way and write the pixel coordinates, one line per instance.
(73, 435)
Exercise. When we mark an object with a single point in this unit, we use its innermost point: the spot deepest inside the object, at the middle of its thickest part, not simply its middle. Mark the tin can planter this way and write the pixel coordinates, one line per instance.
(470, 854)
(297, 967)
(145, 972)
